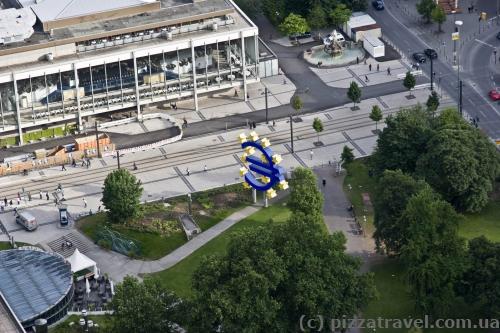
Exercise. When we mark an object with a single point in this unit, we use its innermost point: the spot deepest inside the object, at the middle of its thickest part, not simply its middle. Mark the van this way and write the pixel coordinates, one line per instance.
(27, 220)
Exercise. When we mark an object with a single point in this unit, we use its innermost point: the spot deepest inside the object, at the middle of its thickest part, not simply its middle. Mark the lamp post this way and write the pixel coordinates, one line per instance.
(458, 25)
(265, 93)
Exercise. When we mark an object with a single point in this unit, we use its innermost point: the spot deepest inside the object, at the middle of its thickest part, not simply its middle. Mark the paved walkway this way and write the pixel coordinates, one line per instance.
(118, 266)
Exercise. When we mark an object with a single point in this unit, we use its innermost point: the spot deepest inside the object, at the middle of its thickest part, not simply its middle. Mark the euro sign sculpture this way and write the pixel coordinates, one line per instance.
(262, 172)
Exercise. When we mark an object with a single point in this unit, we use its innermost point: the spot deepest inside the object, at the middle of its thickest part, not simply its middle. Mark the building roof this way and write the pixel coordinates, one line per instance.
(367, 27)
(373, 40)
(359, 20)
(16, 24)
(33, 281)
(51, 10)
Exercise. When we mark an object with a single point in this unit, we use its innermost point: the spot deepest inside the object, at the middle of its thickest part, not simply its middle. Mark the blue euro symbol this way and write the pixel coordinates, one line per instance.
(265, 168)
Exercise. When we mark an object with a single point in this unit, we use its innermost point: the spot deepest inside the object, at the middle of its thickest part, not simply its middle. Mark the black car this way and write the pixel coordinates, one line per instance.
(420, 57)
(431, 53)
(378, 4)
(300, 36)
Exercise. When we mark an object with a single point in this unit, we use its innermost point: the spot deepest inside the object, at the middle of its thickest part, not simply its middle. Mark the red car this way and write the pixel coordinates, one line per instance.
(494, 95)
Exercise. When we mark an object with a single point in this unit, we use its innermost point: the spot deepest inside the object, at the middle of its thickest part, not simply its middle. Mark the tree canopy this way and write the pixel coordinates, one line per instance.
(318, 126)
(340, 15)
(354, 93)
(392, 192)
(376, 115)
(347, 155)
(121, 196)
(433, 253)
(432, 102)
(317, 18)
(294, 24)
(297, 103)
(272, 275)
(425, 7)
(409, 81)
(305, 196)
(438, 15)
(143, 307)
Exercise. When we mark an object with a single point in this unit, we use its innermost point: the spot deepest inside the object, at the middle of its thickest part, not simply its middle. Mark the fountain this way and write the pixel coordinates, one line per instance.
(334, 52)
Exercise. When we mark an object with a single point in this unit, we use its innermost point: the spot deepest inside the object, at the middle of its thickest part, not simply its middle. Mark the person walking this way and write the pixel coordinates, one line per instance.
(370, 67)
(311, 153)
(99, 209)
(11, 203)
(5, 200)
(205, 168)
(357, 60)
(63, 168)
(274, 123)
(18, 201)
(41, 195)
(29, 196)
(366, 78)
(324, 182)
(378, 67)
(47, 196)
(187, 171)
(84, 203)
(135, 166)
(388, 70)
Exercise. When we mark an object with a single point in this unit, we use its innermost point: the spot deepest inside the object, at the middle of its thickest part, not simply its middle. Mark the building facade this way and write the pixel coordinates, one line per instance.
(77, 65)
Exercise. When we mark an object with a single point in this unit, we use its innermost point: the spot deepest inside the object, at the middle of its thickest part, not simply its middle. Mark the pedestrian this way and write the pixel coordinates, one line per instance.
(324, 182)
(41, 196)
(5, 200)
(378, 67)
(15, 211)
(248, 96)
(18, 201)
(135, 166)
(47, 196)
(357, 60)
(388, 70)
(73, 163)
(311, 153)
(83, 163)
(99, 209)
(11, 203)
(370, 67)
(274, 123)
(254, 125)
(284, 81)
(29, 196)
(205, 168)
(187, 171)
(63, 168)
(84, 203)
(366, 78)
(235, 92)
(88, 163)
(18, 196)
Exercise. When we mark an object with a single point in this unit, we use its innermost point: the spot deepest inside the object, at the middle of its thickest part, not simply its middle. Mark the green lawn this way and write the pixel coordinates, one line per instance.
(178, 278)
(357, 177)
(103, 321)
(6, 245)
(395, 301)
(486, 223)
(153, 246)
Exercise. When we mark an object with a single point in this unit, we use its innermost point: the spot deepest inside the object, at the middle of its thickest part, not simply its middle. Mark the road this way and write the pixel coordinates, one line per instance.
(475, 100)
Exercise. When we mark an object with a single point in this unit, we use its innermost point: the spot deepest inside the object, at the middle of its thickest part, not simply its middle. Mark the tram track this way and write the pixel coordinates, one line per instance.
(151, 164)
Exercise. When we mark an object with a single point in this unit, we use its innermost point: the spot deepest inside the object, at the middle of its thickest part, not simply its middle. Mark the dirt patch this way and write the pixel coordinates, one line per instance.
(224, 199)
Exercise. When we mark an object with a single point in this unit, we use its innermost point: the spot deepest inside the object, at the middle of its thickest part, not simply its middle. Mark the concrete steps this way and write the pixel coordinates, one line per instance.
(72, 238)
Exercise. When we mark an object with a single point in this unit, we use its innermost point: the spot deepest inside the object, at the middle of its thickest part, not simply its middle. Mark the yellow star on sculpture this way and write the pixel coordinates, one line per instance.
(283, 185)
(265, 142)
(271, 193)
(242, 138)
(243, 171)
(254, 136)
(277, 159)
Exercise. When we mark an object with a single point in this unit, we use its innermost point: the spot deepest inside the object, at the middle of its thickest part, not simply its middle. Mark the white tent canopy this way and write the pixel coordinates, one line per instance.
(80, 262)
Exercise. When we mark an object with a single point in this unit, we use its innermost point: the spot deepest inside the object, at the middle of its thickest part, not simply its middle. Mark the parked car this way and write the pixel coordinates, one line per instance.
(420, 57)
(431, 53)
(27, 220)
(494, 95)
(378, 4)
(306, 34)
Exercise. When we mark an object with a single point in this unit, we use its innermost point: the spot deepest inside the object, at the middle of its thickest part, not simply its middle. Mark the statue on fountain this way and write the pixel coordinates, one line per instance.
(334, 43)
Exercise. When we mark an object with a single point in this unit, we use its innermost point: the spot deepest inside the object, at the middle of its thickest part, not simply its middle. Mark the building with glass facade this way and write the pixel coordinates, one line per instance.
(35, 284)
(91, 57)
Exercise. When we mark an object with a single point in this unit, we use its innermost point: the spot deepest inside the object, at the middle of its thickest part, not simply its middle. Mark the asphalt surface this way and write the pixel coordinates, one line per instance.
(475, 99)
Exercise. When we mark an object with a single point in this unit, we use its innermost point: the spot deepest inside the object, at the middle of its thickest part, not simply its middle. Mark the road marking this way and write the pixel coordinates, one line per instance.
(144, 128)
(202, 117)
(484, 99)
(271, 128)
(327, 115)
(103, 162)
(221, 139)
(295, 155)
(384, 104)
(237, 158)
(354, 144)
(354, 75)
(484, 43)
(163, 152)
(188, 184)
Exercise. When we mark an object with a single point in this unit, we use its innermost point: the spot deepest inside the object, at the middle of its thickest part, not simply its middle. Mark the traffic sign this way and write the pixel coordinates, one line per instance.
(455, 36)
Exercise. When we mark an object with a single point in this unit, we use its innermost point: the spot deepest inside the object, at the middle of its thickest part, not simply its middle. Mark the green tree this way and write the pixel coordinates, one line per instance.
(347, 155)
(376, 115)
(392, 192)
(409, 81)
(340, 15)
(305, 196)
(316, 18)
(121, 196)
(402, 141)
(318, 126)
(251, 7)
(143, 307)
(354, 93)
(462, 165)
(425, 7)
(297, 103)
(480, 284)
(274, 10)
(434, 253)
(438, 16)
(272, 275)
(294, 24)
(432, 103)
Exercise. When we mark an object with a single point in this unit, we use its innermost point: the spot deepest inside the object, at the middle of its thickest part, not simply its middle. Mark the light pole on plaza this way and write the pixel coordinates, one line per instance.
(459, 85)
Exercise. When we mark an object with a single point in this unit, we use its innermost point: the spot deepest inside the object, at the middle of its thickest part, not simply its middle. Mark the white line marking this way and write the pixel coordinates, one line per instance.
(480, 41)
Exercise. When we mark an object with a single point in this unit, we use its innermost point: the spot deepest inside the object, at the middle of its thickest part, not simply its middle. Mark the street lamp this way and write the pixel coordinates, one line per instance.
(266, 91)
(459, 83)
